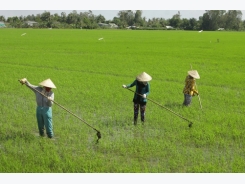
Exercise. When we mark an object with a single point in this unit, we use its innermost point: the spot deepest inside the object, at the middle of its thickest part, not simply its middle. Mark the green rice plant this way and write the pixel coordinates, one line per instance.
(89, 74)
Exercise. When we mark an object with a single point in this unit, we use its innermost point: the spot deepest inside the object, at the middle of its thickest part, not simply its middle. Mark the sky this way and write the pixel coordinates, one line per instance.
(109, 9)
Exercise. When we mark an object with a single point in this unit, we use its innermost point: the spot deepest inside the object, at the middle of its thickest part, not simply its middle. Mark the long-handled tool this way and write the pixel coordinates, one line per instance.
(98, 132)
(199, 97)
(190, 123)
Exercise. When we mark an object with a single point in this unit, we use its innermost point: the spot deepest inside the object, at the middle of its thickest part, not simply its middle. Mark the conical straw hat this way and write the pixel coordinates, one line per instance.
(194, 74)
(47, 83)
(143, 77)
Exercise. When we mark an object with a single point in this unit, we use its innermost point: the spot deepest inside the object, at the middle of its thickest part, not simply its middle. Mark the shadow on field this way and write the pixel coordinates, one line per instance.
(172, 105)
(16, 135)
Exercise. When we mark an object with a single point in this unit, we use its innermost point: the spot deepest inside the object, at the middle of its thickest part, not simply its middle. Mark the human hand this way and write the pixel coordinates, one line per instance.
(144, 95)
(49, 98)
(124, 86)
(23, 81)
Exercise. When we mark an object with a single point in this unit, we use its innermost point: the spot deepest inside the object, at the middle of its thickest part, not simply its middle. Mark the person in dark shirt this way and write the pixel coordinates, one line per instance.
(143, 88)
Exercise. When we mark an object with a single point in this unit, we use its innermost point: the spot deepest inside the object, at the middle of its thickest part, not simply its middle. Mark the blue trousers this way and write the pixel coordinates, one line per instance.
(187, 100)
(44, 120)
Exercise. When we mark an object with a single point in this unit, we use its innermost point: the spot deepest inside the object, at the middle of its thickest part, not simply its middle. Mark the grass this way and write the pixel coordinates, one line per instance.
(89, 74)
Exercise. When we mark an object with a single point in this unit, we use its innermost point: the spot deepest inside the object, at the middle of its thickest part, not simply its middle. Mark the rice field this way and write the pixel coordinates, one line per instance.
(89, 73)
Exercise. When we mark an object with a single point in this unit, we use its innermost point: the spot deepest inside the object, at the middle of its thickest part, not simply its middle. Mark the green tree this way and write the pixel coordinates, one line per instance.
(71, 18)
(155, 22)
(193, 24)
(38, 18)
(45, 16)
(243, 24)
(233, 19)
(56, 17)
(100, 19)
(2, 18)
(30, 17)
(175, 21)
(163, 22)
(92, 18)
(206, 22)
(116, 20)
(63, 17)
(126, 18)
(185, 24)
(46, 19)
(14, 22)
(85, 20)
(138, 18)
(199, 23)
(212, 19)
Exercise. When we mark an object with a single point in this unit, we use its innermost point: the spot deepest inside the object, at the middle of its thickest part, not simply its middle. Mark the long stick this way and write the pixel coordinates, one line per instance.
(98, 132)
(190, 123)
(199, 97)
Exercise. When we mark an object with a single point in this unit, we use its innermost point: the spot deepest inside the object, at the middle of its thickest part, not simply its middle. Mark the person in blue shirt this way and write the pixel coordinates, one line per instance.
(141, 92)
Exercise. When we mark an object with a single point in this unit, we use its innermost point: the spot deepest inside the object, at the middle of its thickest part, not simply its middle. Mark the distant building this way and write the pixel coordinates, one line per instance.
(221, 29)
(2, 25)
(132, 27)
(169, 27)
(103, 25)
(31, 23)
(110, 25)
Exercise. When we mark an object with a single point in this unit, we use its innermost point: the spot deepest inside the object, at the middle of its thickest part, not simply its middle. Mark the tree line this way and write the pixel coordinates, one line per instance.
(211, 20)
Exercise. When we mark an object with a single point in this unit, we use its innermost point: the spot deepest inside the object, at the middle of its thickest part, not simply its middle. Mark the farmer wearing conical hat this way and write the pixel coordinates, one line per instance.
(190, 87)
(44, 105)
(143, 88)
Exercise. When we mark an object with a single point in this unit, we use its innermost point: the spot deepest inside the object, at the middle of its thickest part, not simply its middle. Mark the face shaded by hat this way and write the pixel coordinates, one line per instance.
(143, 77)
(48, 84)
(194, 74)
